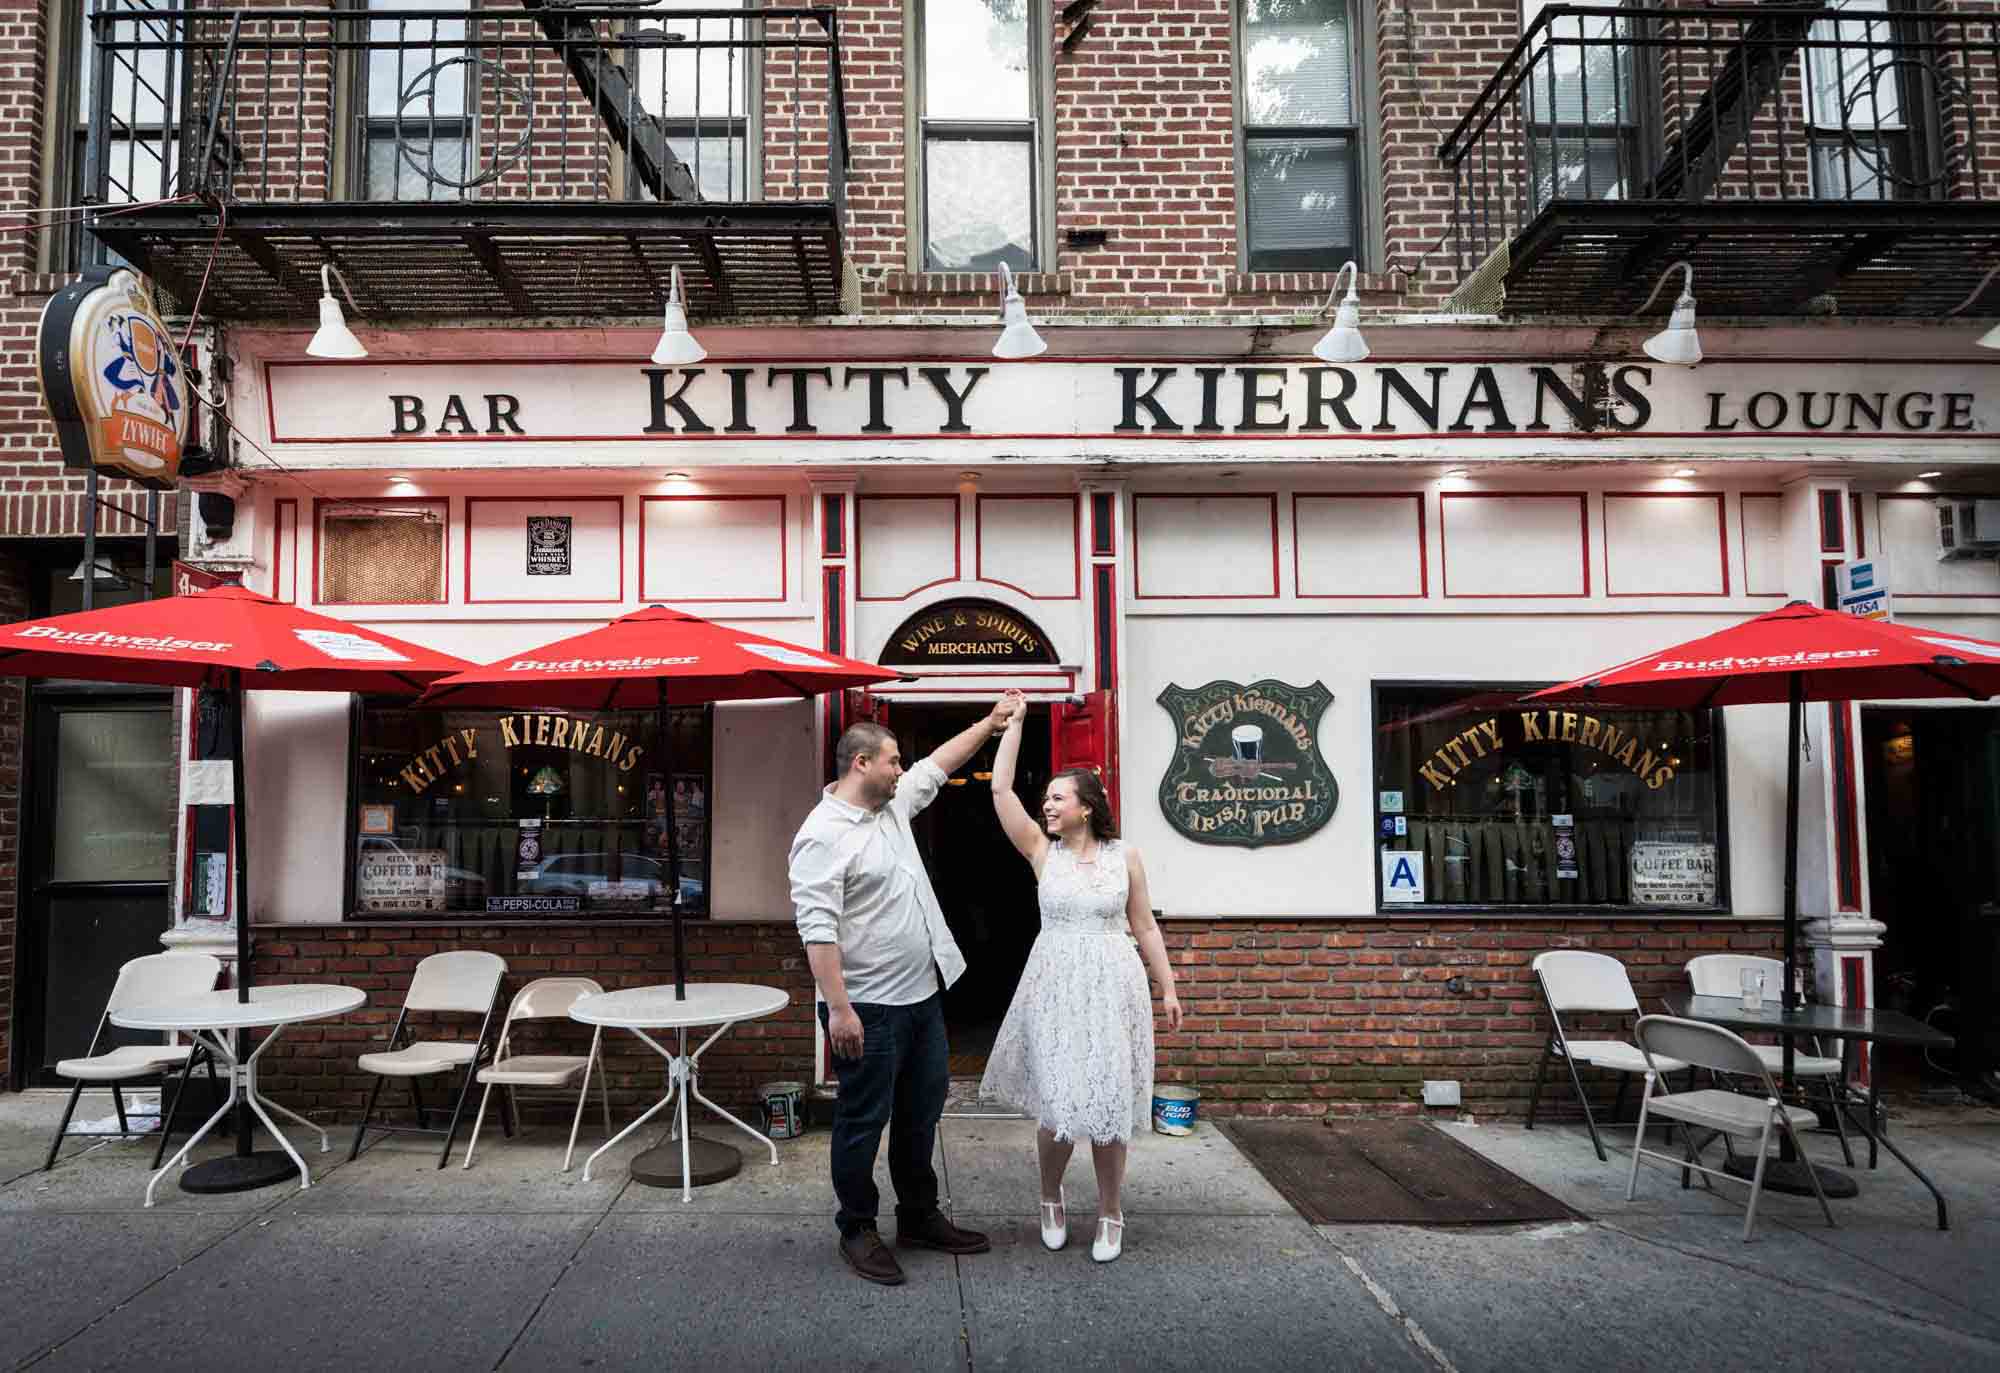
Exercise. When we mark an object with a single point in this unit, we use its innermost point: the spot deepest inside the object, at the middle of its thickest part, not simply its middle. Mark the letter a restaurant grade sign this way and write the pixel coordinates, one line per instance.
(1247, 768)
(110, 378)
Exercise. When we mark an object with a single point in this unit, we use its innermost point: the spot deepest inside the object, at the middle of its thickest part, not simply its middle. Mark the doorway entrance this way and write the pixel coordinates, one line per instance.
(1933, 787)
(987, 890)
(97, 859)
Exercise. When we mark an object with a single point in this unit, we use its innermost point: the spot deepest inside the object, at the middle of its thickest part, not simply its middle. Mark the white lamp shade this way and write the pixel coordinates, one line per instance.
(1018, 338)
(1991, 338)
(1678, 344)
(1343, 342)
(334, 339)
(676, 344)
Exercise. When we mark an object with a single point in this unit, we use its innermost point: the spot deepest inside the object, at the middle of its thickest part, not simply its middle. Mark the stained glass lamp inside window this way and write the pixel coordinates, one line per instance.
(546, 782)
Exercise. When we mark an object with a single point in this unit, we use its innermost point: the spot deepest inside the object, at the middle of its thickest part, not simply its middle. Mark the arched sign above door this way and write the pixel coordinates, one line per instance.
(962, 633)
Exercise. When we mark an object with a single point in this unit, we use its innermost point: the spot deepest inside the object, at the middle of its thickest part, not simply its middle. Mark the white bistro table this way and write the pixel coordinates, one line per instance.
(639, 1009)
(206, 1018)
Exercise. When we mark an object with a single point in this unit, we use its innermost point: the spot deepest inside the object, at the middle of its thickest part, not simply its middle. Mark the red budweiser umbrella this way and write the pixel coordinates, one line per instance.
(1796, 654)
(235, 640)
(657, 658)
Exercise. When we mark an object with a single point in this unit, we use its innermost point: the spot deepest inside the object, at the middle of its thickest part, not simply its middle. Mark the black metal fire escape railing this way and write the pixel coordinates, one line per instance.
(1874, 124)
(612, 123)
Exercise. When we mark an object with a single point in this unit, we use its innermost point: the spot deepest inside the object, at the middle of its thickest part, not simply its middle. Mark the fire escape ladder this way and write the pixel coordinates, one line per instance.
(608, 87)
(1694, 156)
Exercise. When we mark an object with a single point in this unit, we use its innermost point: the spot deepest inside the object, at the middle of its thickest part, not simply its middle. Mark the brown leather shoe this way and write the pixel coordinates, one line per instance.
(867, 1255)
(935, 1231)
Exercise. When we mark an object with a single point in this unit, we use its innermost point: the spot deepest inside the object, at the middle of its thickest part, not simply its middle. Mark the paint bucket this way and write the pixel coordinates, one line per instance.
(1174, 1109)
(780, 1102)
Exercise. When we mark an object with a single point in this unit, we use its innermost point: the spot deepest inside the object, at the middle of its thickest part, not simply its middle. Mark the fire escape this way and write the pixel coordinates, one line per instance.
(1804, 159)
(552, 161)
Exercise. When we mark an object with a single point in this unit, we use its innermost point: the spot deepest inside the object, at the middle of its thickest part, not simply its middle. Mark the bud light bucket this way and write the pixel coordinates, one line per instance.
(780, 1104)
(1174, 1110)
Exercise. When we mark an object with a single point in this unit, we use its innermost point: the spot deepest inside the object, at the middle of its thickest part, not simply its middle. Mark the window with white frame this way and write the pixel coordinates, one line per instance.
(1861, 138)
(980, 158)
(1583, 104)
(1301, 117)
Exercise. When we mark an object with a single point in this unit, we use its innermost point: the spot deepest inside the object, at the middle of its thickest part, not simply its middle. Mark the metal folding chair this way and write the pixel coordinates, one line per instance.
(1664, 1039)
(463, 982)
(546, 998)
(1573, 981)
(149, 981)
(1721, 974)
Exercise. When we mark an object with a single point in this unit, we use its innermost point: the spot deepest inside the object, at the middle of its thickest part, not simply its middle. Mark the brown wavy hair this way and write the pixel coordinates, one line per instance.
(1090, 792)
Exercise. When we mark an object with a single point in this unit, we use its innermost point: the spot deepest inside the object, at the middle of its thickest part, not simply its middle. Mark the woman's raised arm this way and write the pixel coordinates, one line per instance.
(1021, 829)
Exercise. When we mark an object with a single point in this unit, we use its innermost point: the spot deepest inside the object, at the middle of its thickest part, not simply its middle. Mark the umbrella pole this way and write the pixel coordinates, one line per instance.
(666, 755)
(240, 827)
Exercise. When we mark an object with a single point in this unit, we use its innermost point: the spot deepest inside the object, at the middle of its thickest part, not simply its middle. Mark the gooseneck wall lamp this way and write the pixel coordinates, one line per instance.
(1343, 342)
(1678, 344)
(676, 344)
(334, 339)
(1018, 338)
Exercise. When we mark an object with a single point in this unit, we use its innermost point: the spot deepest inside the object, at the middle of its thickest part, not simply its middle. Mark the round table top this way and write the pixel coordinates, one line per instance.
(220, 1010)
(656, 1008)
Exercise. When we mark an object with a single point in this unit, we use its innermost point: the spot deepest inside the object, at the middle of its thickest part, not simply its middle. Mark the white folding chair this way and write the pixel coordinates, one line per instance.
(1721, 974)
(465, 981)
(1573, 981)
(546, 998)
(1664, 1039)
(153, 980)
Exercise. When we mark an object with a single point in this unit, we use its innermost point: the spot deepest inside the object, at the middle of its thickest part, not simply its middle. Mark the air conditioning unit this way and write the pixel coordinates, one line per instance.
(1968, 529)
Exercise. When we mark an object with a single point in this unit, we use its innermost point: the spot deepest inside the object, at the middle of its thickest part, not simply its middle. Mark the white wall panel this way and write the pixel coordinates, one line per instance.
(1514, 545)
(1205, 547)
(1664, 544)
(1360, 545)
(1763, 544)
(1030, 544)
(905, 543)
(1909, 554)
(712, 548)
(765, 782)
(496, 567)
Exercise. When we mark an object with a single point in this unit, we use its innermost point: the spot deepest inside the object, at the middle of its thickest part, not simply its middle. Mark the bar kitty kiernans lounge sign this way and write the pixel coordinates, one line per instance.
(1247, 769)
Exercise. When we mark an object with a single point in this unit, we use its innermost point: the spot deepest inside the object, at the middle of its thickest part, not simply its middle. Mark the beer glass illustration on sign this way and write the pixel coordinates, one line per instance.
(1247, 743)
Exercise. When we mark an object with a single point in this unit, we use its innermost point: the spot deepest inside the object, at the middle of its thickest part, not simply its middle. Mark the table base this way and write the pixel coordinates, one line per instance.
(1789, 1176)
(242, 1171)
(239, 1173)
(709, 1161)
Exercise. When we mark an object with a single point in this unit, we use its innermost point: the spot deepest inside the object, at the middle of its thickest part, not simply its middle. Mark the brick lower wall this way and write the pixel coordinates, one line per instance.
(1303, 1017)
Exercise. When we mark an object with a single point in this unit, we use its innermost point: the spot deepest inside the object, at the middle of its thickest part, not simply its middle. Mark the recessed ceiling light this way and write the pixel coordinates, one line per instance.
(1926, 476)
(1685, 472)
(1456, 474)
(673, 476)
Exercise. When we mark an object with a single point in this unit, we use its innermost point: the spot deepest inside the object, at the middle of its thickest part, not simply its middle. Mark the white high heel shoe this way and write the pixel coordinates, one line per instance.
(1055, 1223)
(1110, 1242)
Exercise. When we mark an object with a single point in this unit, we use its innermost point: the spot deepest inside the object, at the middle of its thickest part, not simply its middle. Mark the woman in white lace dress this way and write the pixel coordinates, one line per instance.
(1076, 1048)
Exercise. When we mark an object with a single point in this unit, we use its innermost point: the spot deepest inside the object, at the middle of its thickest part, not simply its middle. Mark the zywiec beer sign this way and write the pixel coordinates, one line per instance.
(963, 633)
(110, 378)
(1247, 768)
(427, 765)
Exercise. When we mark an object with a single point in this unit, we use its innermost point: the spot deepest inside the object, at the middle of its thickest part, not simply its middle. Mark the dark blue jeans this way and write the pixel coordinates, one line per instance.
(899, 1081)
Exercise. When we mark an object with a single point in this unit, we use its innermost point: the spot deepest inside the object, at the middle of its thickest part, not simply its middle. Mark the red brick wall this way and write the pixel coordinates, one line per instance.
(1284, 1017)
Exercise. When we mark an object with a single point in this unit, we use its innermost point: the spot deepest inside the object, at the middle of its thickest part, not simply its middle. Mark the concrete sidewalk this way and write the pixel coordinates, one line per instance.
(387, 1263)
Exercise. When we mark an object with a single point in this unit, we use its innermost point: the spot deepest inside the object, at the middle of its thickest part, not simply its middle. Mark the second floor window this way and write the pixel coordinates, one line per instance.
(979, 160)
(138, 113)
(1582, 103)
(697, 85)
(415, 134)
(1861, 141)
(1301, 136)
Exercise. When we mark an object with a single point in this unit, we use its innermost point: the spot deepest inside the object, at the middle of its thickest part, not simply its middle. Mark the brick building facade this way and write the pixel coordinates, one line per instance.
(1135, 251)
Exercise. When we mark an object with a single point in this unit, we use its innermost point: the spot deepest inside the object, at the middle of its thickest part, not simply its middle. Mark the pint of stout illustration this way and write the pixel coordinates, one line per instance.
(1247, 743)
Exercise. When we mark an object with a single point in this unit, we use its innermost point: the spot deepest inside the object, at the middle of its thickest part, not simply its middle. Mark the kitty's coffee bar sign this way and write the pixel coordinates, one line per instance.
(798, 404)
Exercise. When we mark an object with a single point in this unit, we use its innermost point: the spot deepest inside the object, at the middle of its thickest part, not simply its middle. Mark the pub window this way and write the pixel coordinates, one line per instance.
(1584, 105)
(1503, 804)
(979, 133)
(1301, 118)
(381, 554)
(529, 814)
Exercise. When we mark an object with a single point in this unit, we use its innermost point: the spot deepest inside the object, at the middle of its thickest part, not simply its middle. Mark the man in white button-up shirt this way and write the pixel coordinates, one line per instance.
(877, 942)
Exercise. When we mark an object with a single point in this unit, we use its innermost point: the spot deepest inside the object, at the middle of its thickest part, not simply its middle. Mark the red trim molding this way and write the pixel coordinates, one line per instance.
(1141, 594)
(649, 594)
(616, 502)
(1721, 538)
(861, 503)
(1075, 535)
(1583, 544)
(1423, 590)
